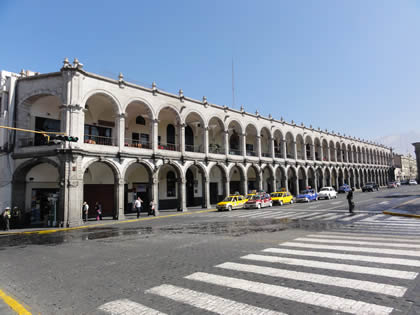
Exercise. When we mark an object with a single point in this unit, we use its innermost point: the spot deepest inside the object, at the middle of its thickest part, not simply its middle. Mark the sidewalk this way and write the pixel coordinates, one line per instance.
(410, 209)
(129, 217)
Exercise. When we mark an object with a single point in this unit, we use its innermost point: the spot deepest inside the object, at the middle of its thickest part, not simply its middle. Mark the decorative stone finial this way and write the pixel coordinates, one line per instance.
(281, 119)
(257, 112)
(121, 82)
(204, 100)
(120, 77)
(292, 122)
(154, 88)
(270, 117)
(242, 108)
(319, 128)
(66, 63)
(302, 124)
(77, 64)
(310, 126)
(22, 73)
(181, 95)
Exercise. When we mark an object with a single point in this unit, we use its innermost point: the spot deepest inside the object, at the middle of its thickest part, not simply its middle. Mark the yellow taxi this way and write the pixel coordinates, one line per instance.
(282, 197)
(231, 202)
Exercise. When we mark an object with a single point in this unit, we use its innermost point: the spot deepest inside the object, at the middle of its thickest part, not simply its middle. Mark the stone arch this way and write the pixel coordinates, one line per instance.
(302, 178)
(195, 138)
(144, 102)
(217, 139)
(169, 128)
(170, 177)
(108, 95)
(309, 147)
(268, 182)
(136, 134)
(278, 144)
(266, 142)
(235, 136)
(237, 182)
(300, 147)
(292, 180)
(281, 177)
(290, 145)
(195, 185)
(218, 180)
(254, 183)
(251, 135)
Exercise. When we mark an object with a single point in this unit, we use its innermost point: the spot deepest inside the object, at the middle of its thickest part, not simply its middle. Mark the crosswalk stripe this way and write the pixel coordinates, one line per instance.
(387, 224)
(383, 272)
(355, 249)
(385, 236)
(208, 302)
(334, 216)
(374, 259)
(374, 218)
(305, 215)
(367, 238)
(373, 231)
(322, 216)
(353, 217)
(125, 307)
(362, 285)
(354, 242)
(297, 295)
(282, 215)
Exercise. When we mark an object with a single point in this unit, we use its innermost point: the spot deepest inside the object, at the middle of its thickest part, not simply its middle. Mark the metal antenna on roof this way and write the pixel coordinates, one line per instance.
(233, 86)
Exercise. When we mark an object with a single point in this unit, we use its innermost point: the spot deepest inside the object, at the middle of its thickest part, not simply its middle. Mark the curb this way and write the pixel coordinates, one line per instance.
(48, 231)
(416, 216)
(13, 304)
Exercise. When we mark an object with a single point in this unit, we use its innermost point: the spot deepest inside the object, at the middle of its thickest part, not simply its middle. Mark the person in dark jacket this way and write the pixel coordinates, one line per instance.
(350, 200)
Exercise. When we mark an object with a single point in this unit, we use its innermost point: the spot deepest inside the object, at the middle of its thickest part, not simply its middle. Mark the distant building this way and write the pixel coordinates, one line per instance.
(405, 167)
(417, 150)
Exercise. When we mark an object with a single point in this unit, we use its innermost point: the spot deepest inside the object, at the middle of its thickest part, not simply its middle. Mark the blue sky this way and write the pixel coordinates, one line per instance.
(349, 66)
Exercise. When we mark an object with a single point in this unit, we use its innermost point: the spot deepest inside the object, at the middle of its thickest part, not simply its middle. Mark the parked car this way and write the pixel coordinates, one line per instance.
(392, 185)
(282, 197)
(327, 193)
(259, 201)
(405, 182)
(231, 202)
(398, 183)
(307, 195)
(412, 182)
(344, 188)
(370, 187)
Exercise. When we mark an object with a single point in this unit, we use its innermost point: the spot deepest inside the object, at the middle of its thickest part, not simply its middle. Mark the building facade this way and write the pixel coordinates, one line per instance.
(405, 167)
(180, 152)
(417, 150)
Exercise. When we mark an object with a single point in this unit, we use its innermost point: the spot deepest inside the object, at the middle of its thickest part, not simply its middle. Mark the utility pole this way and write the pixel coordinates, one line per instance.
(233, 86)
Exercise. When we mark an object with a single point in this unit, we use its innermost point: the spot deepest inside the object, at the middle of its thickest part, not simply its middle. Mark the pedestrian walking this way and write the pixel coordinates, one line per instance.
(137, 206)
(98, 210)
(350, 200)
(85, 211)
(152, 209)
(6, 218)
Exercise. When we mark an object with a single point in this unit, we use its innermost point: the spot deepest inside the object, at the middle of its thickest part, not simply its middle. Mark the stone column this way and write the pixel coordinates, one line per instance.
(206, 141)
(245, 185)
(321, 152)
(296, 183)
(73, 201)
(272, 149)
(336, 154)
(260, 180)
(313, 151)
(273, 183)
(284, 149)
(306, 181)
(294, 149)
(182, 139)
(183, 196)
(155, 134)
(120, 128)
(329, 153)
(120, 199)
(305, 155)
(206, 193)
(226, 143)
(259, 153)
(243, 144)
(227, 187)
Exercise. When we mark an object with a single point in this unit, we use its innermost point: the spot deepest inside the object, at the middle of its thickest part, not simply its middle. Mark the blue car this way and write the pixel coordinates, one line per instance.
(307, 195)
(344, 188)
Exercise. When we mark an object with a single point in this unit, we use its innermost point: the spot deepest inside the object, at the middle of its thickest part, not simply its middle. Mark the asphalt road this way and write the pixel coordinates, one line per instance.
(295, 259)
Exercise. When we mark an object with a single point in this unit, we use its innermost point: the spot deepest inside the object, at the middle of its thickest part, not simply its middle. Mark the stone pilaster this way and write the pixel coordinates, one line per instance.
(206, 141)
(182, 139)
(155, 134)
(120, 130)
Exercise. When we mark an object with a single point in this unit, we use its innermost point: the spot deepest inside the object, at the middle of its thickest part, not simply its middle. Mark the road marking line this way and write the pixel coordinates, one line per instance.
(307, 297)
(353, 217)
(374, 218)
(385, 236)
(362, 285)
(208, 302)
(373, 231)
(13, 304)
(360, 238)
(387, 225)
(374, 259)
(355, 249)
(306, 215)
(354, 242)
(125, 306)
(324, 216)
(281, 215)
(383, 272)
(334, 216)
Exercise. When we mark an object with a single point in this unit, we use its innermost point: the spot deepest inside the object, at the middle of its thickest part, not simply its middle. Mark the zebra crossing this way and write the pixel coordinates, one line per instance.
(324, 272)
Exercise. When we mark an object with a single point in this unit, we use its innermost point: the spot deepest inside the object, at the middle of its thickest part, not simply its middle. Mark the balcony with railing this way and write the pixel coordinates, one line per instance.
(101, 140)
(198, 148)
(136, 143)
(216, 148)
(278, 155)
(251, 153)
(168, 146)
(266, 154)
(234, 151)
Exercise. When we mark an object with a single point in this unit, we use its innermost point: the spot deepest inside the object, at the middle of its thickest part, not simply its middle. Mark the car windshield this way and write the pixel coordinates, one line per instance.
(228, 199)
(275, 195)
(255, 197)
(249, 196)
(325, 189)
(303, 192)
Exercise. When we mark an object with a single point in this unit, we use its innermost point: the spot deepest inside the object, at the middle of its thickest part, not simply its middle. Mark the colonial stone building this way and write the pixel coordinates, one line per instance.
(405, 167)
(138, 141)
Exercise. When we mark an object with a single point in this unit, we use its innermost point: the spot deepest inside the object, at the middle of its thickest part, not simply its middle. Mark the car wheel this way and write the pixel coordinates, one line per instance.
(280, 203)
(291, 201)
(258, 206)
(328, 197)
(271, 204)
(230, 208)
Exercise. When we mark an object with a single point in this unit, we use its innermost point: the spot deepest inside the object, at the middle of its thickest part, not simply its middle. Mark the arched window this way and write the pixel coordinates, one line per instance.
(170, 184)
(189, 139)
(170, 134)
(234, 141)
(140, 120)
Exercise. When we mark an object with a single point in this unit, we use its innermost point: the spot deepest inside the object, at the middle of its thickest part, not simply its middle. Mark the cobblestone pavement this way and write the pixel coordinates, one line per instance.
(286, 260)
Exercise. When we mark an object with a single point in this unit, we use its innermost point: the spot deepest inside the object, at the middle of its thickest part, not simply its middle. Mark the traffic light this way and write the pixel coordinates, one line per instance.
(57, 139)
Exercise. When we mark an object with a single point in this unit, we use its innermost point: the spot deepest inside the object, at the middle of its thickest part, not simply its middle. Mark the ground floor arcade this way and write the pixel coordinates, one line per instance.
(51, 190)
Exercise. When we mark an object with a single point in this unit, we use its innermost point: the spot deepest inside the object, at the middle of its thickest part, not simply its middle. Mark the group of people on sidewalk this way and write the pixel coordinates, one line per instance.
(137, 206)
(11, 218)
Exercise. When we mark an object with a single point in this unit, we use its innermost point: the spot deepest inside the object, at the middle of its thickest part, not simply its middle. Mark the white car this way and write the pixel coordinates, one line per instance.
(327, 193)
(412, 182)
